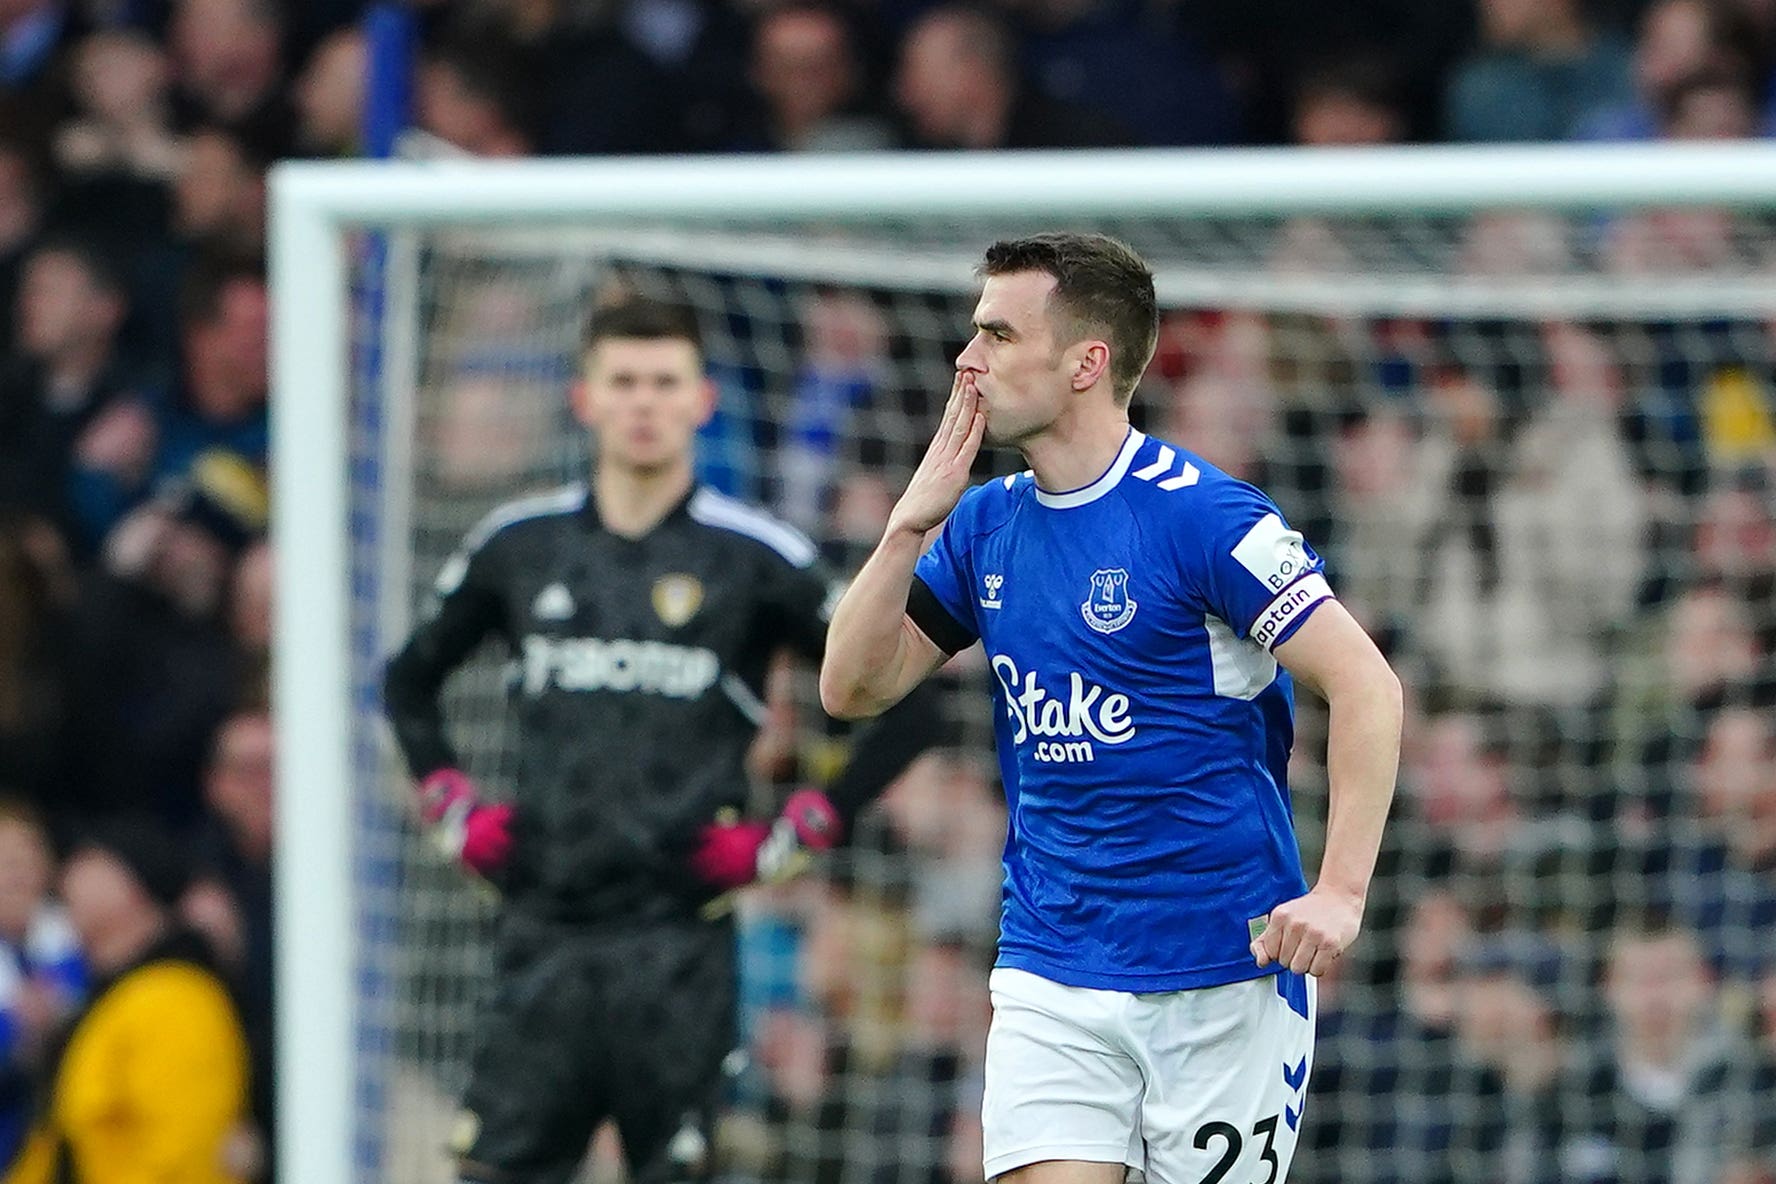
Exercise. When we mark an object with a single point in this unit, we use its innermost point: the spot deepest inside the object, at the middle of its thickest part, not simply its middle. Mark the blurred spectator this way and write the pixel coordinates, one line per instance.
(155, 670)
(1349, 101)
(230, 900)
(1753, 1134)
(220, 402)
(1711, 105)
(1373, 508)
(477, 98)
(1511, 1057)
(1356, 1058)
(330, 96)
(854, 962)
(1665, 241)
(1540, 71)
(947, 812)
(68, 414)
(630, 78)
(1572, 529)
(35, 39)
(1711, 650)
(150, 1079)
(1680, 40)
(1719, 871)
(481, 446)
(21, 216)
(1647, 1107)
(250, 621)
(35, 710)
(1510, 243)
(1421, 1125)
(1468, 821)
(1224, 405)
(862, 502)
(211, 233)
(1735, 536)
(959, 87)
(219, 195)
(1272, 44)
(31, 33)
(844, 364)
(121, 89)
(1738, 421)
(227, 67)
(810, 81)
(1135, 64)
(1536, 557)
(42, 974)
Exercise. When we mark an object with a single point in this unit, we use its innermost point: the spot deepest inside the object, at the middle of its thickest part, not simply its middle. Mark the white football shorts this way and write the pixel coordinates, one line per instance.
(1191, 1087)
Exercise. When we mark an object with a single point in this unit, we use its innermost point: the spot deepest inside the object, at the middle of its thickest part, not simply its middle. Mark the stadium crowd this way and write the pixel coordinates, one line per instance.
(1566, 532)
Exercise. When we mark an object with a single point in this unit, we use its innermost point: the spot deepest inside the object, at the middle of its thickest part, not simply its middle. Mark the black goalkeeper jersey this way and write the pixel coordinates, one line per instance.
(636, 679)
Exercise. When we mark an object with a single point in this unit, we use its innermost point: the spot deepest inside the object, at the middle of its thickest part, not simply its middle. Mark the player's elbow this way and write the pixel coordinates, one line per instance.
(843, 696)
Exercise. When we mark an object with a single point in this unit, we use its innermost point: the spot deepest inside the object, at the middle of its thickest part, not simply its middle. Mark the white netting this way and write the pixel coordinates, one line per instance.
(1536, 452)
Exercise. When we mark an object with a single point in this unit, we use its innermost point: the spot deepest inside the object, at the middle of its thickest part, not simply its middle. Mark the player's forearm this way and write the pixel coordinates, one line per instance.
(1362, 761)
(410, 689)
(866, 645)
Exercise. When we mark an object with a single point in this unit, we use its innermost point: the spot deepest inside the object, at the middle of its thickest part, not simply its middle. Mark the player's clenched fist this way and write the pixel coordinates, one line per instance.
(942, 477)
(1309, 933)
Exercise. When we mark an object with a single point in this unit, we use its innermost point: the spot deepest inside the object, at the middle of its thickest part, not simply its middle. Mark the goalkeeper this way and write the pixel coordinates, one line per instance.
(641, 614)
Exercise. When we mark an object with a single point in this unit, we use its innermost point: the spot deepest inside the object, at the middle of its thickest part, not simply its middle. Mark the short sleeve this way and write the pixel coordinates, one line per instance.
(1260, 576)
(939, 603)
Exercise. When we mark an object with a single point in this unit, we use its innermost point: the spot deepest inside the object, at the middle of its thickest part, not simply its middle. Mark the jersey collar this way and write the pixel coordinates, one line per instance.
(592, 520)
(1104, 484)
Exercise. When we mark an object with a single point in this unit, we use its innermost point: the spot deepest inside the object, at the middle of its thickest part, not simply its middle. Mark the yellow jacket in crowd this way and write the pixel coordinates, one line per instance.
(150, 1086)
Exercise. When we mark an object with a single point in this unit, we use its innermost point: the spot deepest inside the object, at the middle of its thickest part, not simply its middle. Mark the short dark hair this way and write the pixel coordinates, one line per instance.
(1101, 286)
(640, 317)
(986, 38)
(206, 286)
(102, 268)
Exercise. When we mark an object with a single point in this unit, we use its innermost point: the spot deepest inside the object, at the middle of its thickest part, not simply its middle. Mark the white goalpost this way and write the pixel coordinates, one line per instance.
(478, 277)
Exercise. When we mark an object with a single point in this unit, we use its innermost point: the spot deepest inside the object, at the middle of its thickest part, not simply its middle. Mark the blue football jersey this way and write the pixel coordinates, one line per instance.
(1143, 724)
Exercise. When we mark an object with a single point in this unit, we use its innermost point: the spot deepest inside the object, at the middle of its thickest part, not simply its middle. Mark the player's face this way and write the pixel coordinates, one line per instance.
(645, 398)
(1022, 371)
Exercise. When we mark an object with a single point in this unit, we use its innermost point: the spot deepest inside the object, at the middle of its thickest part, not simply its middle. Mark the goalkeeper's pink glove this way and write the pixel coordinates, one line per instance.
(476, 835)
(732, 854)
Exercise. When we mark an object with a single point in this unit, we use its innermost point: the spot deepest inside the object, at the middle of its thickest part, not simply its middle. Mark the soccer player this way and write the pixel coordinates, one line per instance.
(641, 614)
(1142, 613)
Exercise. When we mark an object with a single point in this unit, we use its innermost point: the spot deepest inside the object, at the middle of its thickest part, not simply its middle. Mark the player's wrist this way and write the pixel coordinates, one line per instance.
(445, 792)
(1352, 893)
(903, 531)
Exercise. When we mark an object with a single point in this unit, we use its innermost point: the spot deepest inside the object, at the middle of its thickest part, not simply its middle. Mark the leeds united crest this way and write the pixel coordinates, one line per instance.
(677, 598)
(1108, 607)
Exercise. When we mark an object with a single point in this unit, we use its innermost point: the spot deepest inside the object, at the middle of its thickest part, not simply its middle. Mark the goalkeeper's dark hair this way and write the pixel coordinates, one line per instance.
(1102, 288)
(640, 317)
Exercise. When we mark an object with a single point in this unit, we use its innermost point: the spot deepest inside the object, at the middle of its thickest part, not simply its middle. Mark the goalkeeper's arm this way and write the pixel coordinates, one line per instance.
(476, 834)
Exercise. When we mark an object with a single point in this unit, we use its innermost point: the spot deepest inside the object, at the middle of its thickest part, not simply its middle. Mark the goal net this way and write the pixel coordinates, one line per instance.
(1533, 437)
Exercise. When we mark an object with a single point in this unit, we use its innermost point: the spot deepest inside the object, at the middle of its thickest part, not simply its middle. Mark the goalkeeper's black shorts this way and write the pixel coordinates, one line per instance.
(586, 1025)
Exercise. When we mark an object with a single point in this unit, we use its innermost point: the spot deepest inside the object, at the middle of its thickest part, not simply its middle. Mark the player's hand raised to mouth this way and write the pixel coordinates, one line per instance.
(942, 477)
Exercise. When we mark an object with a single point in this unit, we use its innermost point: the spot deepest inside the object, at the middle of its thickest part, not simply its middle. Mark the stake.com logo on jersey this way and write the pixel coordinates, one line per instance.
(1086, 715)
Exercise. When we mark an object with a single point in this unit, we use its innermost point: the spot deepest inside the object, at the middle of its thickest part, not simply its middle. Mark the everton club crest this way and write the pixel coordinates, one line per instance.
(1109, 607)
